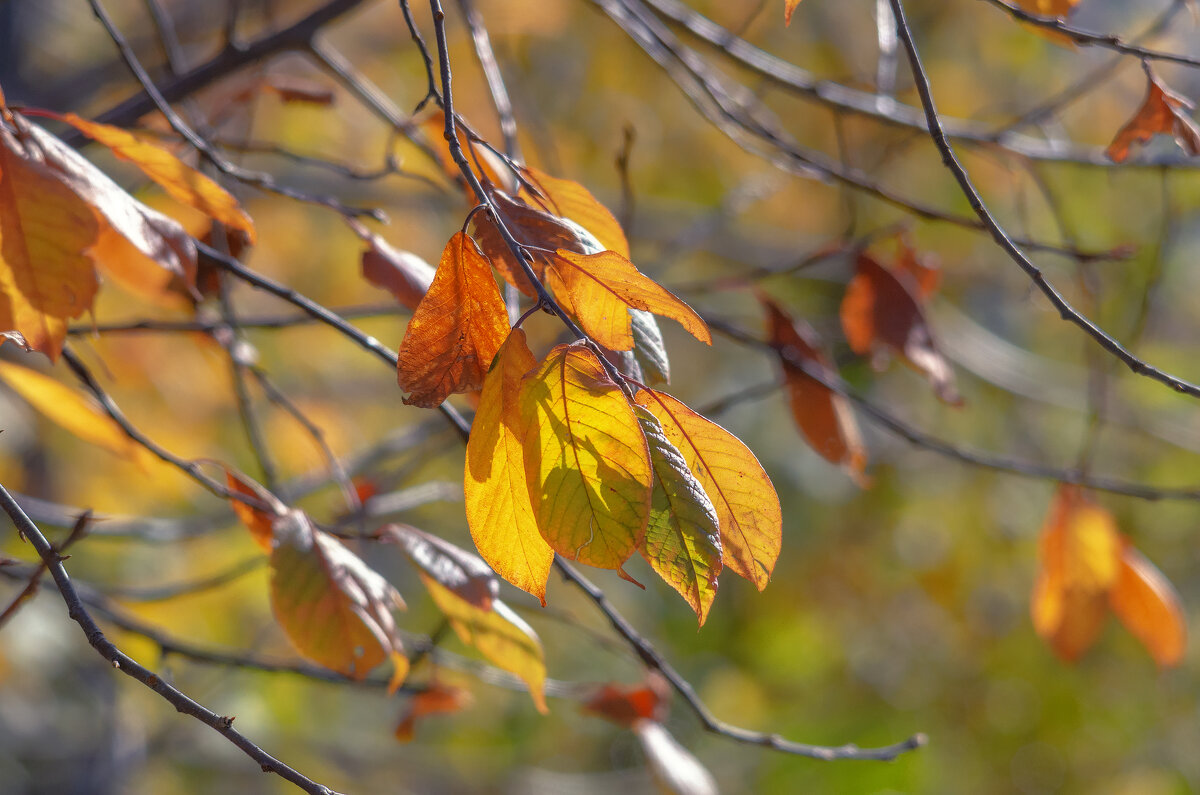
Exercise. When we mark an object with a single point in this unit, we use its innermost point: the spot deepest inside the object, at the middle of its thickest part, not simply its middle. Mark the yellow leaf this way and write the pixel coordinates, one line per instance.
(599, 288)
(182, 182)
(571, 200)
(46, 275)
(456, 329)
(747, 507)
(335, 609)
(1146, 603)
(683, 537)
(499, 510)
(586, 461)
(499, 634)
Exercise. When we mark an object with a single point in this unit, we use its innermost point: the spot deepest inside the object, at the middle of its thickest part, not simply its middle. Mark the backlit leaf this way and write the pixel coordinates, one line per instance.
(683, 538)
(456, 329)
(258, 521)
(543, 232)
(1163, 111)
(586, 461)
(598, 288)
(455, 569)
(881, 314)
(674, 769)
(1146, 603)
(181, 182)
(499, 510)
(499, 634)
(571, 200)
(334, 608)
(823, 416)
(747, 507)
(402, 273)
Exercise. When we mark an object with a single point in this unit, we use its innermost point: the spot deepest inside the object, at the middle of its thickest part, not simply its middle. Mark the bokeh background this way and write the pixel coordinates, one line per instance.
(896, 609)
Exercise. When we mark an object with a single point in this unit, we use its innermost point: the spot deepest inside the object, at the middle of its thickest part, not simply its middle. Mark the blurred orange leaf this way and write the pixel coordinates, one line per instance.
(573, 201)
(1147, 604)
(586, 460)
(456, 329)
(438, 699)
(747, 506)
(789, 8)
(259, 522)
(1163, 111)
(625, 704)
(499, 510)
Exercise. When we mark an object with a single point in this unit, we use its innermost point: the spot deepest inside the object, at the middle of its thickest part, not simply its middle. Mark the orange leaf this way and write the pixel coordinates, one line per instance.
(543, 232)
(46, 229)
(439, 699)
(789, 8)
(747, 507)
(486, 165)
(571, 200)
(455, 569)
(259, 522)
(624, 704)
(880, 313)
(1163, 111)
(823, 416)
(600, 288)
(1146, 603)
(456, 329)
(499, 511)
(925, 275)
(335, 609)
(1049, 8)
(402, 273)
(586, 460)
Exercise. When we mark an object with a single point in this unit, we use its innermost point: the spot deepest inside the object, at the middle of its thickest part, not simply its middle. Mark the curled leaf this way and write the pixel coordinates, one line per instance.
(674, 769)
(259, 522)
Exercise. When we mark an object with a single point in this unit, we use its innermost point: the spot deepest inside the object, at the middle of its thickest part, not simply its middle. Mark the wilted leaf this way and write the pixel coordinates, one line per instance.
(880, 313)
(499, 510)
(586, 460)
(626, 704)
(259, 522)
(1148, 606)
(46, 230)
(1163, 111)
(335, 609)
(598, 288)
(438, 699)
(456, 329)
(402, 273)
(674, 769)
(181, 182)
(460, 572)
(747, 507)
(499, 634)
(683, 537)
(823, 416)
(571, 200)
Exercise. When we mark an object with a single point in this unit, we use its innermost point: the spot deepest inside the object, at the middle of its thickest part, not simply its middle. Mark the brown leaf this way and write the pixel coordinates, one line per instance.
(570, 200)
(542, 232)
(460, 572)
(402, 273)
(456, 329)
(1163, 111)
(292, 88)
(824, 417)
(880, 313)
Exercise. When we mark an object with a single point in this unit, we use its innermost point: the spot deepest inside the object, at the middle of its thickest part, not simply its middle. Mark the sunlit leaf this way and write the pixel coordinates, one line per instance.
(499, 510)
(1147, 604)
(259, 521)
(402, 273)
(880, 314)
(648, 347)
(1163, 111)
(747, 507)
(463, 574)
(586, 460)
(456, 329)
(824, 417)
(598, 289)
(674, 769)
(438, 699)
(626, 704)
(335, 609)
(541, 231)
(571, 200)
(789, 8)
(683, 537)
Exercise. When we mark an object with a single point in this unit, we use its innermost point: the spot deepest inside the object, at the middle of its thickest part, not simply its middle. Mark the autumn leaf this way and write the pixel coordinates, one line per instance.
(1056, 9)
(181, 182)
(572, 201)
(924, 273)
(46, 231)
(296, 89)
(789, 8)
(1163, 111)
(542, 233)
(586, 460)
(880, 313)
(674, 769)
(499, 510)
(683, 537)
(599, 288)
(438, 699)
(258, 521)
(1147, 604)
(334, 608)
(486, 165)
(455, 569)
(649, 350)
(626, 704)
(403, 274)
(824, 417)
(747, 507)
(456, 329)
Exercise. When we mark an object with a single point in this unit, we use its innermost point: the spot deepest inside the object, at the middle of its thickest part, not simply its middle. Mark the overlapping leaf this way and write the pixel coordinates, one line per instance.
(457, 570)
(570, 200)
(335, 609)
(542, 232)
(499, 511)
(456, 329)
(259, 521)
(586, 461)
(1163, 111)
(747, 507)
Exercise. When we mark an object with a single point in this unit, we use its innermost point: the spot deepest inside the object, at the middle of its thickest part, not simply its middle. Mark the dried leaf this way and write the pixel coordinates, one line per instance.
(586, 461)
(456, 329)
(460, 572)
(1163, 111)
(259, 522)
(674, 769)
(402, 273)
(499, 510)
(626, 704)
(334, 608)
(599, 288)
(824, 417)
(880, 313)
(747, 507)
(683, 537)
(570, 200)
(1147, 604)
(438, 699)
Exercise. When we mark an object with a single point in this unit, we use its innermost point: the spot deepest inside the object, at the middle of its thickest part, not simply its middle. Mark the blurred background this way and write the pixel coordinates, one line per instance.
(895, 609)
